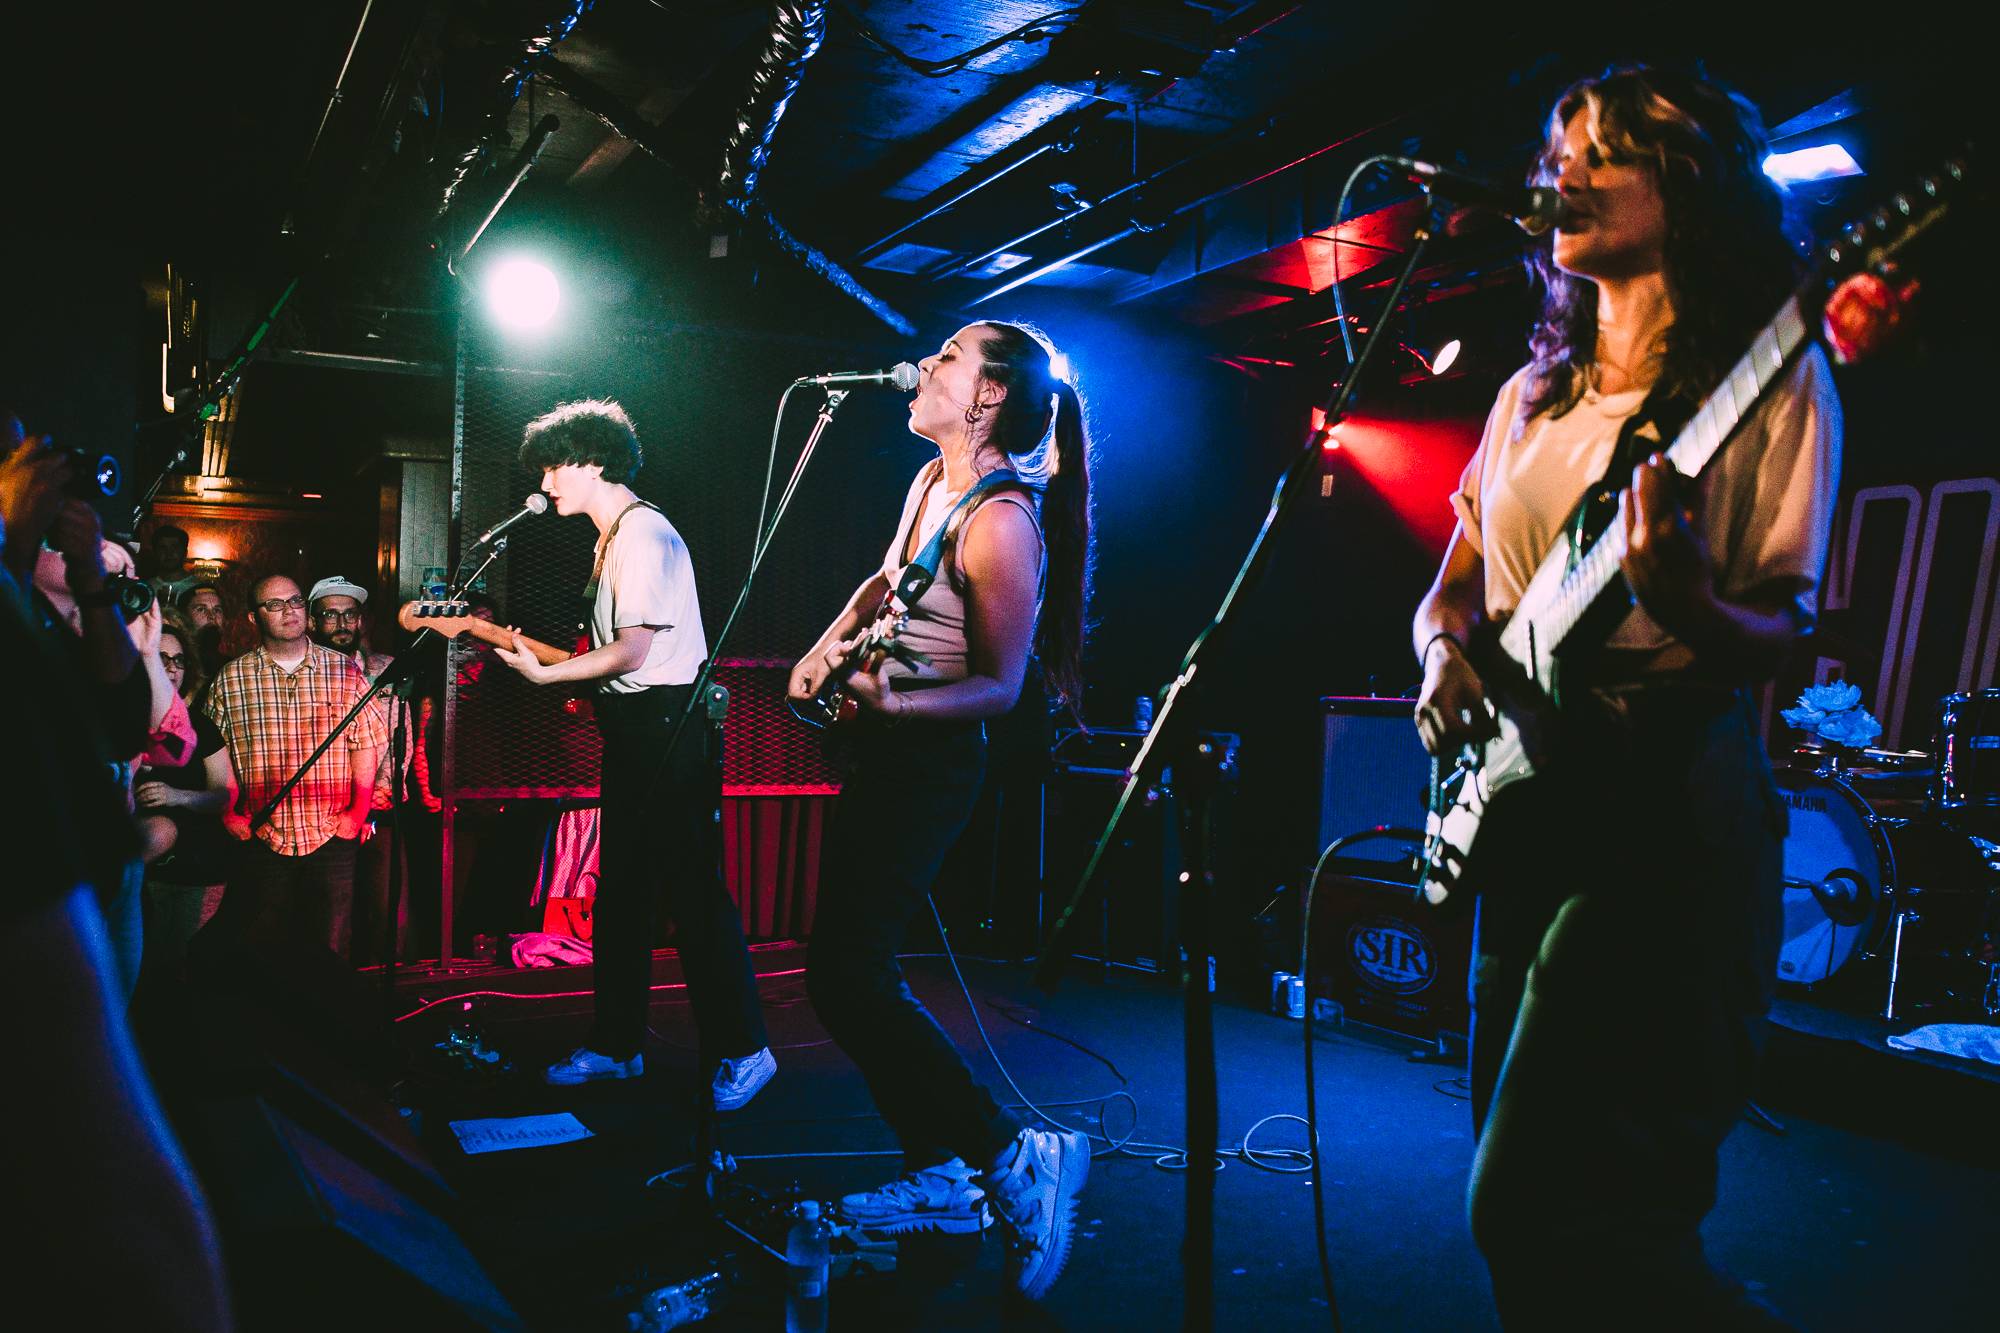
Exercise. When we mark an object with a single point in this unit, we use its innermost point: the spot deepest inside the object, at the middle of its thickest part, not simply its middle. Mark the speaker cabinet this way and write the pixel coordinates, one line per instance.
(1376, 774)
(1390, 959)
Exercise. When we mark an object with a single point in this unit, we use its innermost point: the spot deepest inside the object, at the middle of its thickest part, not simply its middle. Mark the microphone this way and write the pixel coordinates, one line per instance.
(1533, 208)
(534, 504)
(903, 375)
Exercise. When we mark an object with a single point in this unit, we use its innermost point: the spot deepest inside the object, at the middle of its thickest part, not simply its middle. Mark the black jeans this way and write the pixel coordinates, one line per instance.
(301, 899)
(657, 833)
(908, 797)
(1624, 960)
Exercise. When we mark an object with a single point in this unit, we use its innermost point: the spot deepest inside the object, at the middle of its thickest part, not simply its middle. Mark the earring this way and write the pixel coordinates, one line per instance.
(973, 413)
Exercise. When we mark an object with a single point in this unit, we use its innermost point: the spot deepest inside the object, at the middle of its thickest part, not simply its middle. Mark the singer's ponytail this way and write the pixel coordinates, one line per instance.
(1040, 426)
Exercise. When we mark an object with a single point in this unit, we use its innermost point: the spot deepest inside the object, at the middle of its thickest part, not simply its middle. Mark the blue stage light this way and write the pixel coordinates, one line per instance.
(1822, 162)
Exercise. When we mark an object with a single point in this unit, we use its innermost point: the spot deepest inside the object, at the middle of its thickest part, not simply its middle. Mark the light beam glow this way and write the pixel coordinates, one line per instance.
(522, 294)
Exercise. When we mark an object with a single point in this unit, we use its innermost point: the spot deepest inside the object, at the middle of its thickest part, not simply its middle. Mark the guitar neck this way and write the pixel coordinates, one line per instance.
(1552, 617)
(502, 637)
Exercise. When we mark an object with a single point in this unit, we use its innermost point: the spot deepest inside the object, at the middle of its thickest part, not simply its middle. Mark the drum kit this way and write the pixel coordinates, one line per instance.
(1892, 866)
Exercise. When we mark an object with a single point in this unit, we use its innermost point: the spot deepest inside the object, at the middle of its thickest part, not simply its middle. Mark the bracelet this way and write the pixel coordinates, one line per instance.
(1424, 657)
(904, 710)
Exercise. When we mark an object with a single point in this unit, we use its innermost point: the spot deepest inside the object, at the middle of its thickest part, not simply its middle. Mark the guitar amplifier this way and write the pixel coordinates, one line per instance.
(1376, 774)
(1389, 958)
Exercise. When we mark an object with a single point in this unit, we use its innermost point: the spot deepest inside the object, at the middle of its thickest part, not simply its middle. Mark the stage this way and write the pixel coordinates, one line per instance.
(1870, 1210)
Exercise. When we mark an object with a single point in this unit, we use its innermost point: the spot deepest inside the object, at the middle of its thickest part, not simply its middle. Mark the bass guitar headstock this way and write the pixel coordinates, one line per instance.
(448, 617)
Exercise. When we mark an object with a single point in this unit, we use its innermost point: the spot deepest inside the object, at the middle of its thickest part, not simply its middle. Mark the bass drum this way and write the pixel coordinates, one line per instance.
(1839, 873)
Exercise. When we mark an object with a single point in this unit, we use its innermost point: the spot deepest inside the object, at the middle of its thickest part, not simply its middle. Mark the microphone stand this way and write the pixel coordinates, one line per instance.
(1197, 768)
(401, 668)
(707, 1148)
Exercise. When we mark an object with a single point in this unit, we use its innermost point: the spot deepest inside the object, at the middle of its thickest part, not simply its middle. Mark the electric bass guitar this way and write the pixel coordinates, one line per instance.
(1577, 594)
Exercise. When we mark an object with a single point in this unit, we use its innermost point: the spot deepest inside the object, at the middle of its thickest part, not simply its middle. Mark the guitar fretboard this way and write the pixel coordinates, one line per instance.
(1706, 432)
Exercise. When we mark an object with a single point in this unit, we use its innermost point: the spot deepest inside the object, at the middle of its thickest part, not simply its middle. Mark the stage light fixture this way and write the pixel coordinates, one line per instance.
(1435, 364)
(522, 294)
(1800, 166)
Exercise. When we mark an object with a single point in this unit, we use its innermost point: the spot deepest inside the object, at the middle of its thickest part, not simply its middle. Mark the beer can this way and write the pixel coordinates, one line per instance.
(1295, 997)
(1279, 982)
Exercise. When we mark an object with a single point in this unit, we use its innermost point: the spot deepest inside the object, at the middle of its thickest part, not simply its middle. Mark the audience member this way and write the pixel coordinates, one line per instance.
(89, 1155)
(180, 816)
(339, 622)
(207, 614)
(165, 555)
(67, 590)
(274, 706)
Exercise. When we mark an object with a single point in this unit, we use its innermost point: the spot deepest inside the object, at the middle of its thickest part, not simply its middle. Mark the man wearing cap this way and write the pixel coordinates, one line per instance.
(338, 622)
(273, 706)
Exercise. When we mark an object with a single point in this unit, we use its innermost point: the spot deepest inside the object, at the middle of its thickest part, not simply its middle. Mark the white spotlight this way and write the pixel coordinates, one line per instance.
(522, 294)
(1059, 366)
(1445, 356)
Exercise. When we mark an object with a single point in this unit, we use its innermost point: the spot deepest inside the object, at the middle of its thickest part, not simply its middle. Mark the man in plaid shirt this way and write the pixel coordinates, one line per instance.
(273, 706)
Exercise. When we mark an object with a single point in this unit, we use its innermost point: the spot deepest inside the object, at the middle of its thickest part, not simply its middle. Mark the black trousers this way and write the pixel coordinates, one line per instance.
(904, 803)
(302, 899)
(1624, 959)
(658, 835)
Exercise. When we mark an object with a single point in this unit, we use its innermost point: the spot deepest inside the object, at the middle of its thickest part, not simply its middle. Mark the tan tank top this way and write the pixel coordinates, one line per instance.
(937, 620)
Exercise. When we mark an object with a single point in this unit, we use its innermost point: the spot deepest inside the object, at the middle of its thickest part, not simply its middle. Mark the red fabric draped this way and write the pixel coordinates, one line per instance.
(770, 861)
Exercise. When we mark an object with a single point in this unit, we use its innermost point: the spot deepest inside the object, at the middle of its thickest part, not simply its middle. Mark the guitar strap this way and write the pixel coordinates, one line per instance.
(1667, 412)
(923, 568)
(597, 569)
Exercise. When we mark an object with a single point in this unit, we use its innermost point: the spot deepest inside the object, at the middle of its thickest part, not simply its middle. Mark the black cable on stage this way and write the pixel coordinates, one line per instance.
(1312, 1098)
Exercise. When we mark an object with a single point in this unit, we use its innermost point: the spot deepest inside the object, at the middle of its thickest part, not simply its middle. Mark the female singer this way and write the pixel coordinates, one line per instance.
(1011, 490)
(1628, 920)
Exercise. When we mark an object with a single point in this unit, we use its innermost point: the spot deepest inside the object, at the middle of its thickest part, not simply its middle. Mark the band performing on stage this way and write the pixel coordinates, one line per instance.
(871, 917)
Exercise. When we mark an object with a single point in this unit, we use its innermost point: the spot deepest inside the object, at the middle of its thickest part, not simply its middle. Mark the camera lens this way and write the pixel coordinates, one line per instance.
(135, 596)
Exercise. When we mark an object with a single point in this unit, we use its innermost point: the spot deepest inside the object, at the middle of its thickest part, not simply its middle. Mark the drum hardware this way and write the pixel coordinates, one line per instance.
(1895, 965)
(1968, 752)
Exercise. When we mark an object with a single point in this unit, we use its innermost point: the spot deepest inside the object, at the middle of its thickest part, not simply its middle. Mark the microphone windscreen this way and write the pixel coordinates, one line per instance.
(903, 375)
(537, 503)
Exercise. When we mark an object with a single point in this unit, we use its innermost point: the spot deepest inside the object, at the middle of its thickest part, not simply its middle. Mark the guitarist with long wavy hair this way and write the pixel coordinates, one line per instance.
(1629, 891)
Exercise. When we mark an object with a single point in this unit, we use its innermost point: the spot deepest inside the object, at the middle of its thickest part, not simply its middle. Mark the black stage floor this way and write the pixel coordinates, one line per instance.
(1875, 1207)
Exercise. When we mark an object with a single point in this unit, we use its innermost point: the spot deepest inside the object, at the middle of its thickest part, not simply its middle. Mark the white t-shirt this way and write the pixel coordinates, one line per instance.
(1767, 498)
(649, 580)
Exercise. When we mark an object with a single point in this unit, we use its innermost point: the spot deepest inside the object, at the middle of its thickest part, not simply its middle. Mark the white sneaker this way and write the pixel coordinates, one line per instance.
(587, 1066)
(1033, 1185)
(740, 1080)
(944, 1198)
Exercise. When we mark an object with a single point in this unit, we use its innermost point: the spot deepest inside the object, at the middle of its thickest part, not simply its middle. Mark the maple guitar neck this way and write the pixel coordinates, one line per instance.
(452, 619)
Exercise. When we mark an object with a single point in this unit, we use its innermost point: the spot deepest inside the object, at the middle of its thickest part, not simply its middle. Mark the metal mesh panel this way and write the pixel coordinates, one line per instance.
(703, 402)
(507, 737)
(765, 750)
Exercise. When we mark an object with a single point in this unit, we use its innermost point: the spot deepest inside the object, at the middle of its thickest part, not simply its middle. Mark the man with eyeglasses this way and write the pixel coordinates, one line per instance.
(273, 706)
(336, 607)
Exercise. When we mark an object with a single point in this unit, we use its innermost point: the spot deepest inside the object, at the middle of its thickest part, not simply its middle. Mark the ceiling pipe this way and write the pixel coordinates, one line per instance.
(523, 163)
(797, 29)
(1134, 227)
(594, 100)
(878, 245)
(534, 51)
